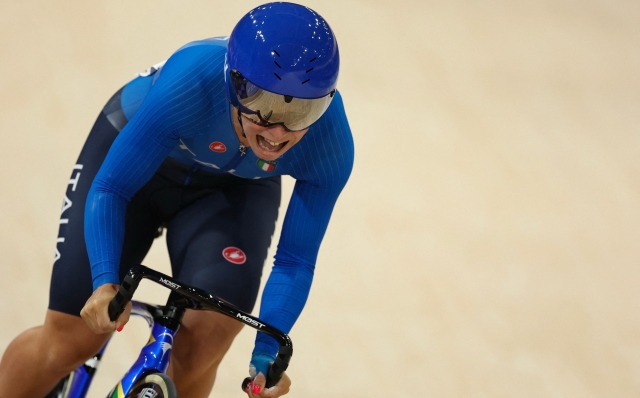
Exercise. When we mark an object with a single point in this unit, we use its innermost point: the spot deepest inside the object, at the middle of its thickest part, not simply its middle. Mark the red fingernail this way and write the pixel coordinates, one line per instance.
(256, 389)
(119, 329)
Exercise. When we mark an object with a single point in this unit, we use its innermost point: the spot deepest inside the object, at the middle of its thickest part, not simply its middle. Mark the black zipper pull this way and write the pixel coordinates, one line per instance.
(243, 150)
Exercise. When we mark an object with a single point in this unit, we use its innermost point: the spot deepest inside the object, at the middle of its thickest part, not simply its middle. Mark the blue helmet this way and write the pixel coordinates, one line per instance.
(282, 50)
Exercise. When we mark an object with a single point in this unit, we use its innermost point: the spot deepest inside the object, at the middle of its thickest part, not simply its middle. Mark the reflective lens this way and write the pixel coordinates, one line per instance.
(266, 108)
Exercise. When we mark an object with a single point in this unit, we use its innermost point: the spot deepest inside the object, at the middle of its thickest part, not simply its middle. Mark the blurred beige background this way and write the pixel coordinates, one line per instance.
(487, 243)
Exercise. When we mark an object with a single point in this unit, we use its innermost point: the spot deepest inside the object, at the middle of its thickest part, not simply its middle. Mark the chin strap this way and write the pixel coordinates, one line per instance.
(240, 121)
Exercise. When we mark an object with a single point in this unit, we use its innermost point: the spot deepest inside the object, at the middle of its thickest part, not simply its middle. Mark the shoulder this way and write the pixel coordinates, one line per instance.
(326, 154)
(215, 46)
(179, 97)
(197, 60)
(191, 80)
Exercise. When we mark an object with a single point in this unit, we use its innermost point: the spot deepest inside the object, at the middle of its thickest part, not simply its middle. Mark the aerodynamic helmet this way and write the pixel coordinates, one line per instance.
(282, 65)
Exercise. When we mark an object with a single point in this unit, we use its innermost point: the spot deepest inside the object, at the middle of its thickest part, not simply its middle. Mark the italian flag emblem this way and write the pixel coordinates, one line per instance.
(267, 165)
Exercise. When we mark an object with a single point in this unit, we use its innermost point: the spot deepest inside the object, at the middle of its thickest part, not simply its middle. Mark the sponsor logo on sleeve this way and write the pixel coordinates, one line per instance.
(218, 147)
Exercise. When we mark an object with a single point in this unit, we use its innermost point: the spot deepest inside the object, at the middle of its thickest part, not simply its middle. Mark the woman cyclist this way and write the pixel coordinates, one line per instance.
(197, 145)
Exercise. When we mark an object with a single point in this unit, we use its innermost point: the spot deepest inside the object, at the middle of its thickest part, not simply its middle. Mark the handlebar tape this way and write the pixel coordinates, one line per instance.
(122, 298)
(276, 369)
(245, 383)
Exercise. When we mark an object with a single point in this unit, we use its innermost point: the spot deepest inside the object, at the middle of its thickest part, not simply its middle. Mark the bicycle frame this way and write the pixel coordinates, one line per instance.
(164, 322)
(154, 356)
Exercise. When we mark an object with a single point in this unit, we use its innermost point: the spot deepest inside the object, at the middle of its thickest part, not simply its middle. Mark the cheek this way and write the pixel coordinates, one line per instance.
(252, 130)
(299, 136)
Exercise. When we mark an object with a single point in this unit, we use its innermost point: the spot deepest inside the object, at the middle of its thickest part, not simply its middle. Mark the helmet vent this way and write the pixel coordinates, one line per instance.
(276, 53)
(309, 70)
(279, 78)
(313, 59)
(305, 81)
(277, 64)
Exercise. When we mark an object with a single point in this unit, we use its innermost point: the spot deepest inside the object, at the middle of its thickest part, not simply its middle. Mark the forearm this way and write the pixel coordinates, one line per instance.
(283, 299)
(104, 234)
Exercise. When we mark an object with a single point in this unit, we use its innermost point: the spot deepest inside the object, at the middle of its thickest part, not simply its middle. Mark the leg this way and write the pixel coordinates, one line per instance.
(203, 340)
(238, 216)
(38, 358)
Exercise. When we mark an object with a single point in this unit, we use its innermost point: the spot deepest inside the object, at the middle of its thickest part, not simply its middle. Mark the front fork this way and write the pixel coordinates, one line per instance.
(153, 358)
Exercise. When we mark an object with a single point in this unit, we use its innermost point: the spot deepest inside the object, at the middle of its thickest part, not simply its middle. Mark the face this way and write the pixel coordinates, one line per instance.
(268, 143)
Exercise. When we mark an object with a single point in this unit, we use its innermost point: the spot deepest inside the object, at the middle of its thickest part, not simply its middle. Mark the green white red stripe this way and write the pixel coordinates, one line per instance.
(267, 165)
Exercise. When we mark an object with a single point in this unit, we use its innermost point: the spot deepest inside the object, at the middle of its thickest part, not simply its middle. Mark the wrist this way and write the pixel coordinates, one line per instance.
(106, 278)
(260, 362)
(108, 287)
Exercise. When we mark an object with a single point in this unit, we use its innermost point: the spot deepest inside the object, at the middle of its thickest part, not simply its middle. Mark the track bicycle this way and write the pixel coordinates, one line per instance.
(147, 378)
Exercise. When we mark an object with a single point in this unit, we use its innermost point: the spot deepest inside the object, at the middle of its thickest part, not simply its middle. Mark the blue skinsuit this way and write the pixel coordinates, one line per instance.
(181, 111)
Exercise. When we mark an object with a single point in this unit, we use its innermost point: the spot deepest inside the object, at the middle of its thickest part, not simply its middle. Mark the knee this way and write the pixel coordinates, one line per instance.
(67, 346)
(63, 355)
(204, 339)
(62, 359)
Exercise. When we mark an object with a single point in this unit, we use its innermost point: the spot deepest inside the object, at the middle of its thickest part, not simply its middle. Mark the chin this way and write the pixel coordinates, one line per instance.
(269, 156)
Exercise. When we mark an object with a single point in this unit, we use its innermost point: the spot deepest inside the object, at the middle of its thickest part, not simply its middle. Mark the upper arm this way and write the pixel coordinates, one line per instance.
(320, 180)
(178, 105)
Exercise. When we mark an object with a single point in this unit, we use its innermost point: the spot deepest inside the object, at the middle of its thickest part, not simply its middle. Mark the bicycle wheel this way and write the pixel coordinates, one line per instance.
(154, 385)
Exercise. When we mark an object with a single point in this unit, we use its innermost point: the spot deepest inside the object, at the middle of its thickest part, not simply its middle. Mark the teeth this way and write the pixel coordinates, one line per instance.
(272, 143)
(263, 146)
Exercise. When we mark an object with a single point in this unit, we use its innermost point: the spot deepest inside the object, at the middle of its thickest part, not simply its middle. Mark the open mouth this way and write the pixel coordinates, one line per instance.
(268, 145)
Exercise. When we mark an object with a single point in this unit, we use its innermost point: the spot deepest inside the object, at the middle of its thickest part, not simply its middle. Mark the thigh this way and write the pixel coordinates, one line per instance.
(219, 243)
(71, 276)
(71, 283)
(204, 338)
(69, 339)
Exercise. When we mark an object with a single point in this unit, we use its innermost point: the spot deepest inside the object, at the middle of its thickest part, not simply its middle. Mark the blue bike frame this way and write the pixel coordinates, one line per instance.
(154, 357)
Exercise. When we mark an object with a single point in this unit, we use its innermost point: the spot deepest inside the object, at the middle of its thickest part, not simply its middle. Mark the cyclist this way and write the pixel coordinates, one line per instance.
(198, 145)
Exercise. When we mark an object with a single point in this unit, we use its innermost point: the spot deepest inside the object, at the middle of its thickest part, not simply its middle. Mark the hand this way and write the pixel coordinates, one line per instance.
(96, 314)
(256, 387)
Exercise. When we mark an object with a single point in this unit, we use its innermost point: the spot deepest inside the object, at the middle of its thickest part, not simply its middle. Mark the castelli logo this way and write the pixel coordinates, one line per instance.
(217, 147)
(234, 255)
